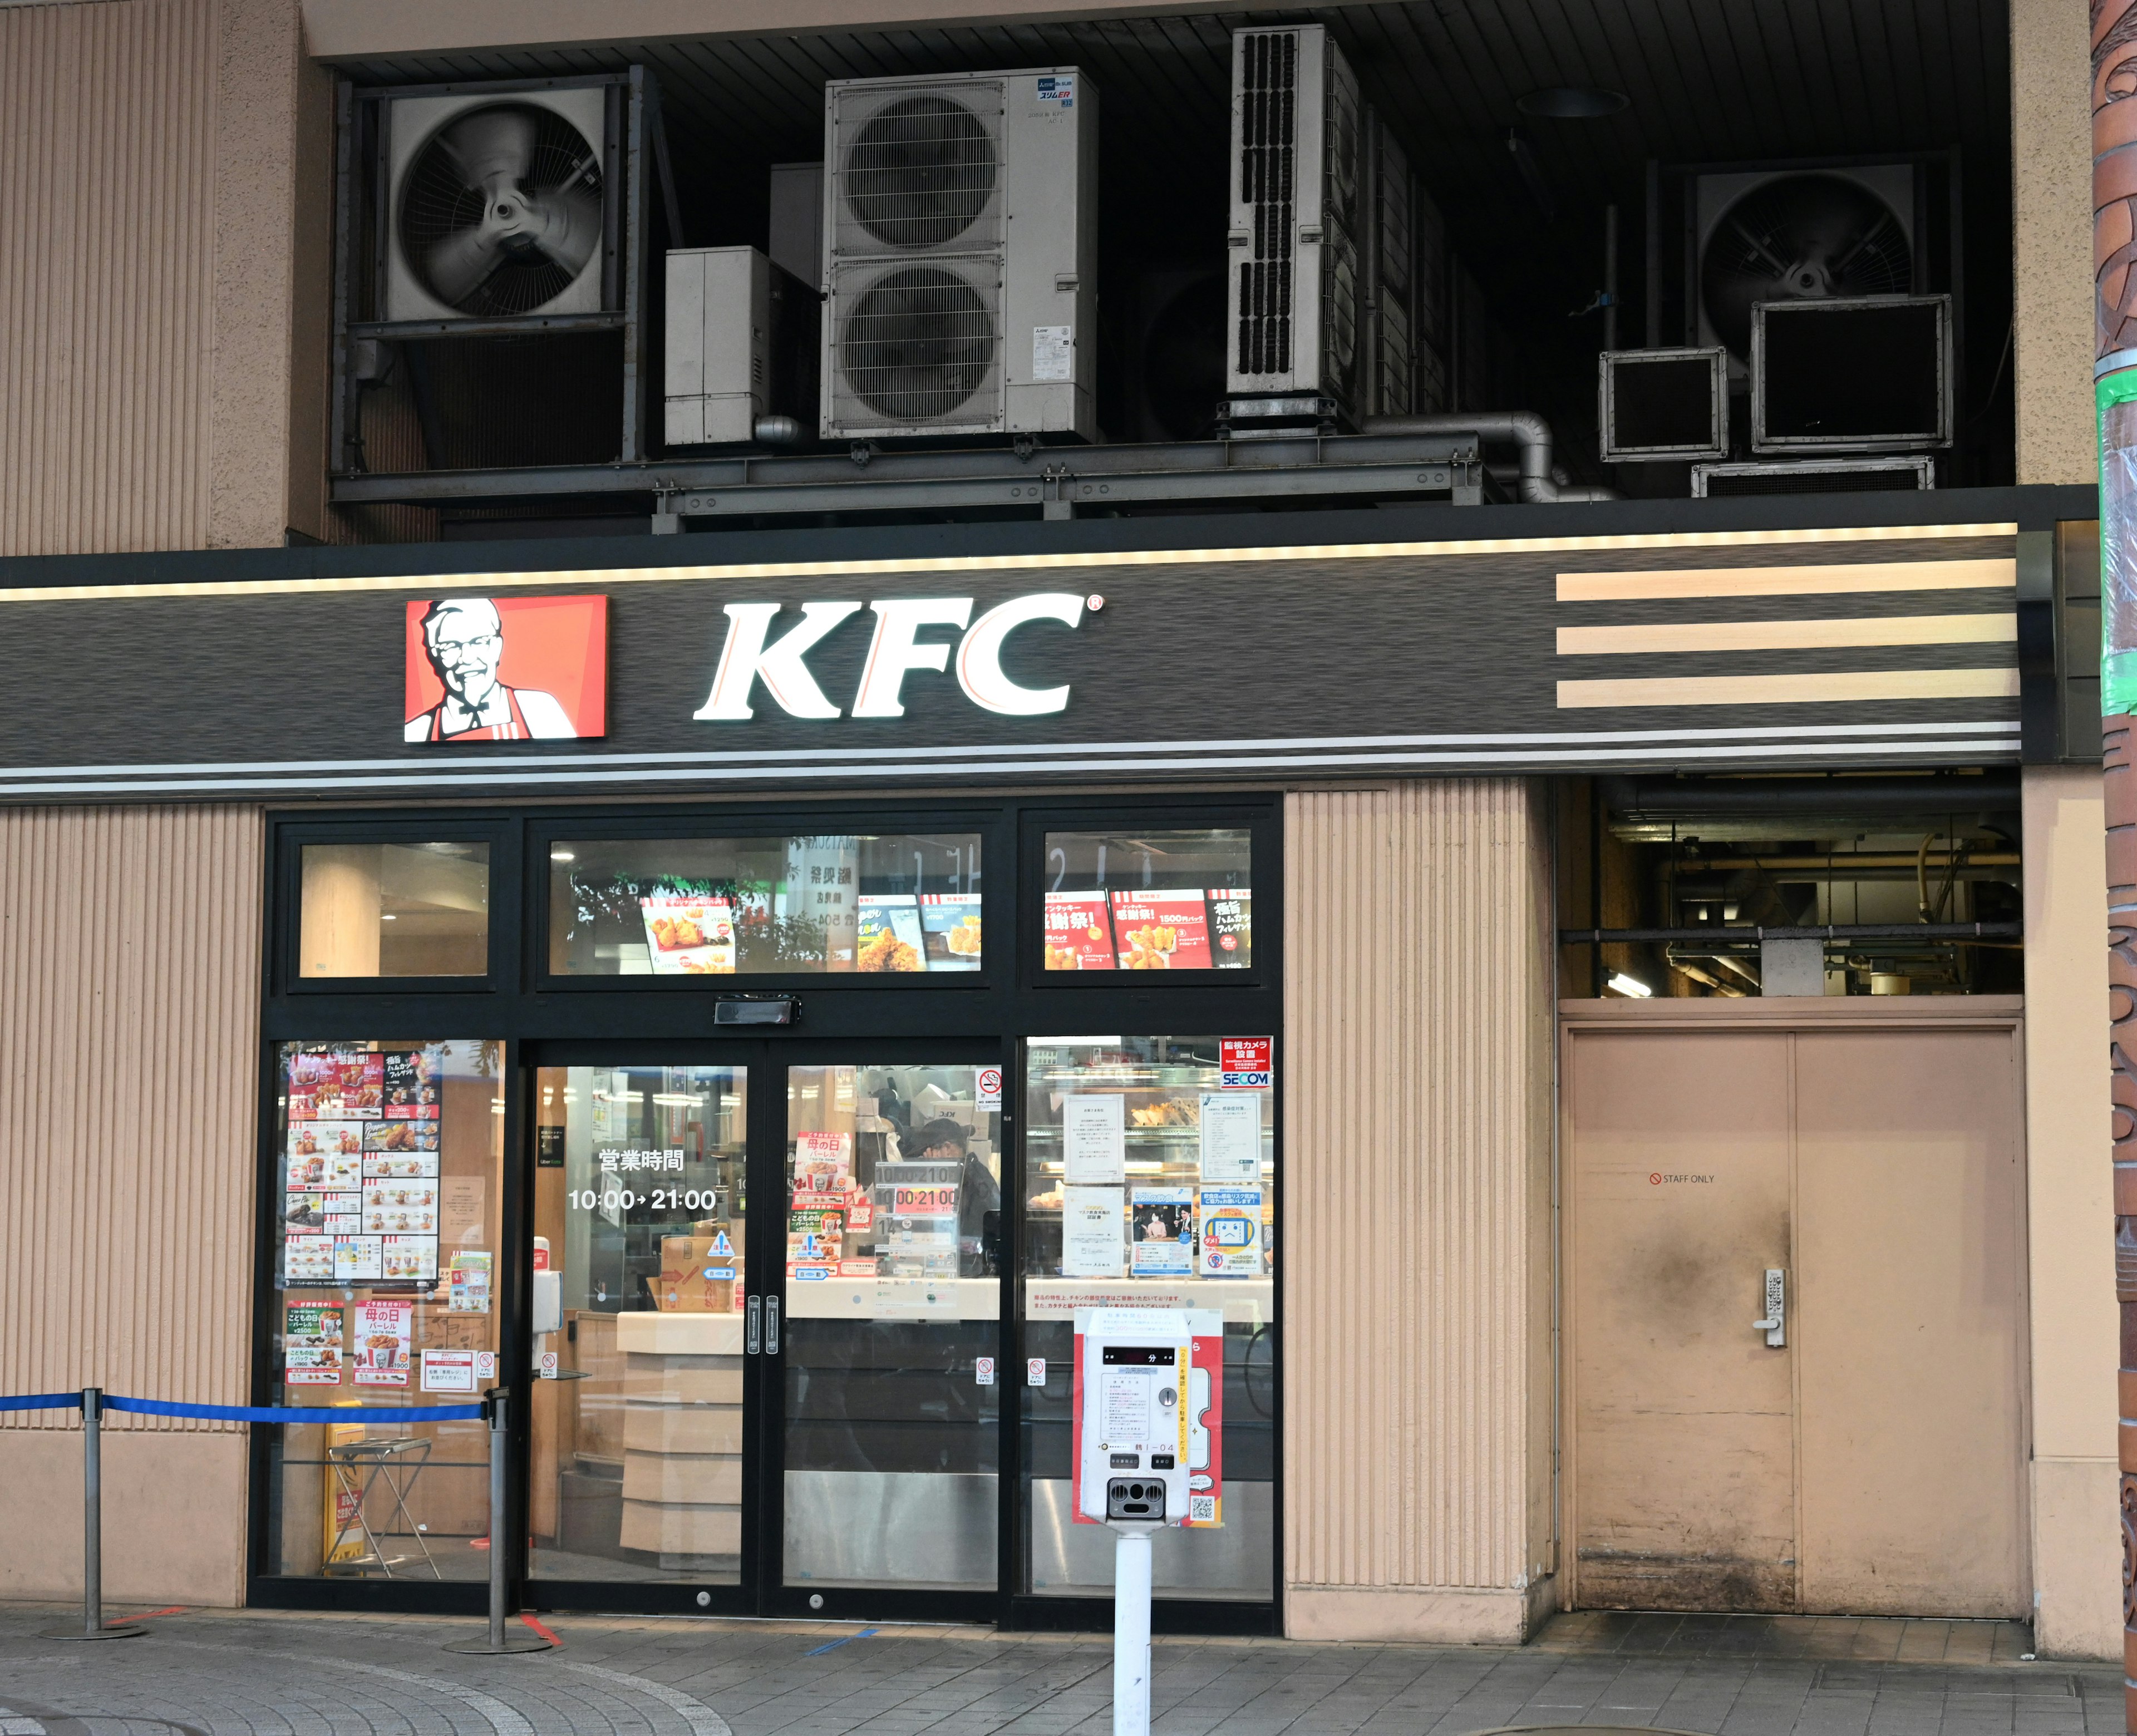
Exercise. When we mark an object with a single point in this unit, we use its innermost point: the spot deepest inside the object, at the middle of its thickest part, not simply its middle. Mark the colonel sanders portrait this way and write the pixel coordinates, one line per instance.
(464, 638)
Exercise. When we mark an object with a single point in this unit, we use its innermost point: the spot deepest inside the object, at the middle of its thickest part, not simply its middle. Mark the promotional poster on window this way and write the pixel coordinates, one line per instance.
(361, 1203)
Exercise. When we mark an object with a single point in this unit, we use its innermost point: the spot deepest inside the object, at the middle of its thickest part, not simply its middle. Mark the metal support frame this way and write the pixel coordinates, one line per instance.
(92, 1529)
(1056, 480)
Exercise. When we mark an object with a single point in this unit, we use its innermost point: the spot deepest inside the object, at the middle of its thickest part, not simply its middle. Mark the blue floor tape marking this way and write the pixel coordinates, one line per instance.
(834, 1645)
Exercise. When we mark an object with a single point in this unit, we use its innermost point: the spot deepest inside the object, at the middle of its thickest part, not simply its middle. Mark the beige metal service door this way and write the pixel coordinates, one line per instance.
(1685, 1419)
(1873, 1461)
(1908, 1216)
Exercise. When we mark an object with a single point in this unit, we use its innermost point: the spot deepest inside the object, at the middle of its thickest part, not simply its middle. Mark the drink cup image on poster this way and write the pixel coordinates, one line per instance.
(311, 1343)
(1161, 1232)
(1231, 1232)
(1231, 1130)
(383, 1331)
(1093, 1138)
(1091, 1225)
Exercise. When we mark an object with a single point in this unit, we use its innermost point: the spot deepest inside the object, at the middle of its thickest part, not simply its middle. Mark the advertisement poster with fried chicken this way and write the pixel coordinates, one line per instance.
(890, 937)
(1162, 930)
(384, 1331)
(1079, 933)
(311, 1343)
(689, 936)
(411, 1079)
(950, 922)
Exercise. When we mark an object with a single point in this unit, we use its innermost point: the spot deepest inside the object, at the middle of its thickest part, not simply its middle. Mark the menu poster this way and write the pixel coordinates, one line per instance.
(311, 1343)
(468, 1282)
(689, 936)
(384, 1331)
(411, 1077)
(401, 1138)
(890, 938)
(1091, 1245)
(357, 1259)
(410, 1258)
(308, 1260)
(322, 1171)
(391, 1165)
(823, 1163)
(1231, 1232)
(1079, 934)
(1162, 1222)
(950, 922)
(317, 1138)
(304, 1214)
(815, 1234)
(1093, 1138)
(1231, 927)
(1162, 930)
(1231, 1136)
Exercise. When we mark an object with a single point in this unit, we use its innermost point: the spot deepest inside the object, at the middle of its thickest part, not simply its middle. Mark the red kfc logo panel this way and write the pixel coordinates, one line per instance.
(528, 668)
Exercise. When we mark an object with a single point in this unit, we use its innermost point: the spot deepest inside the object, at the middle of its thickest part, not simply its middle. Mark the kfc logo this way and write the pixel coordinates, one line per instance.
(507, 669)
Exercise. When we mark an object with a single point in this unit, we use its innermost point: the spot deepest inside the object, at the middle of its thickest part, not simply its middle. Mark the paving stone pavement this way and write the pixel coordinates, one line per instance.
(256, 1673)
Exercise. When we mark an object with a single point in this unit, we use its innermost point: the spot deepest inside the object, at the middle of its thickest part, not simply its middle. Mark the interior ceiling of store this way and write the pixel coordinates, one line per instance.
(1708, 81)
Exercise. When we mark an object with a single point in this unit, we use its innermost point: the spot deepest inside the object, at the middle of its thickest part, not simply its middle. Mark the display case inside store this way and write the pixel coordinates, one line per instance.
(718, 907)
(387, 1273)
(1148, 900)
(638, 1269)
(1150, 1182)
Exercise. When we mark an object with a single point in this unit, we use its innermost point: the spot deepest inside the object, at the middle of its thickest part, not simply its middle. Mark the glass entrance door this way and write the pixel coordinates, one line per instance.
(638, 1467)
(890, 1401)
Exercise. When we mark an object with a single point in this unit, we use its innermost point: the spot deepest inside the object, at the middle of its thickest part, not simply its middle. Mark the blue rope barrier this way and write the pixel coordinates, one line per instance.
(294, 1412)
(43, 1402)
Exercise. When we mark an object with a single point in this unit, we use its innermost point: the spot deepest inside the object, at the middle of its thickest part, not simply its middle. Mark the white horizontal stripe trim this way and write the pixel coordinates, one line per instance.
(1812, 635)
(1991, 574)
(842, 755)
(1983, 749)
(1832, 687)
(469, 584)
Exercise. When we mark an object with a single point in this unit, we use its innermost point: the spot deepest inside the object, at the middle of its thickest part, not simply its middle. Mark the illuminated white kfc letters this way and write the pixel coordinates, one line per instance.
(896, 650)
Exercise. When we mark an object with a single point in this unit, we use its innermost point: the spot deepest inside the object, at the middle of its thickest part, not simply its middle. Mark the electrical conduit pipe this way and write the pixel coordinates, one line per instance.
(1523, 428)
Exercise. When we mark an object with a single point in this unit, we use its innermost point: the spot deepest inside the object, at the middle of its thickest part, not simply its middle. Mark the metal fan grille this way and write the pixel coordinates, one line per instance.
(1268, 151)
(918, 345)
(1808, 237)
(437, 203)
(920, 171)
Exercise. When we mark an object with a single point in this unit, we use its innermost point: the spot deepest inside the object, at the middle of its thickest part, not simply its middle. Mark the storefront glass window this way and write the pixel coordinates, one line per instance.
(893, 1237)
(394, 910)
(755, 906)
(639, 1206)
(1150, 1181)
(386, 1276)
(1149, 900)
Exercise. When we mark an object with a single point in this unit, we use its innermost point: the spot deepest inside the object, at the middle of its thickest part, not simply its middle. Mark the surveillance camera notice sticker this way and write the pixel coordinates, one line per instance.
(1245, 1063)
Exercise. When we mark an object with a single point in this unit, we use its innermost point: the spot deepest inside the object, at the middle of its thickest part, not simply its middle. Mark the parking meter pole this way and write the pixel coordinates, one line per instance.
(496, 1641)
(92, 1529)
(1132, 1632)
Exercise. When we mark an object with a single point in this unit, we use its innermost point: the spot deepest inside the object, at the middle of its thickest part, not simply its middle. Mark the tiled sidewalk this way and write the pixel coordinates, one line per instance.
(261, 1674)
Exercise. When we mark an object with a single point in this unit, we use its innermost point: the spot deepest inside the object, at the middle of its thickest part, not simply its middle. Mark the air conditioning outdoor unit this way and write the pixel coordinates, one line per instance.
(498, 205)
(959, 255)
(1388, 303)
(1295, 232)
(741, 347)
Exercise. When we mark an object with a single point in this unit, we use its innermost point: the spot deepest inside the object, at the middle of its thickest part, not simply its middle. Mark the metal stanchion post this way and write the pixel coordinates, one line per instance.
(496, 1640)
(92, 1529)
(1132, 1631)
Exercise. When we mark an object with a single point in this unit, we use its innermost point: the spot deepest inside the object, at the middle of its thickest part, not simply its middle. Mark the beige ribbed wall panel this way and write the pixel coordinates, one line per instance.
(107, 127)
(1416, 1118)
(129, 988)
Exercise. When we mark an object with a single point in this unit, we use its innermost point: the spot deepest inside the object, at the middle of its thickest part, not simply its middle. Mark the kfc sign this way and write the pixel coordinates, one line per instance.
(506, 669)
(752, 658)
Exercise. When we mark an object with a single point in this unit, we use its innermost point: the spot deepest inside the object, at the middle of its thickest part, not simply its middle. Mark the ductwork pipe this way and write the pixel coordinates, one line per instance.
(1523, 428)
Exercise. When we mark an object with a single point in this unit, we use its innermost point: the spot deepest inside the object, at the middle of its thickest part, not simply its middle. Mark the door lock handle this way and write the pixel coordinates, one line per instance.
(1776, 1324)
(772, 1325)
(756, 1328)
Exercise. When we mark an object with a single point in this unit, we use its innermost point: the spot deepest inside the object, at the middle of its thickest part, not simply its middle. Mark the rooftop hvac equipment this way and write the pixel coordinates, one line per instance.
(1669, 404)
(959, 255)
(1293, 301)
(1864, 374)
(1798, 235)
(1814, 476)
(497, 206)
(1388, 289)
(740, 359)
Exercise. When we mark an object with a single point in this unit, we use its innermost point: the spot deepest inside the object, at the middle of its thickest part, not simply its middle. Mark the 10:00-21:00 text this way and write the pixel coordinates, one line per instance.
(661, 1199)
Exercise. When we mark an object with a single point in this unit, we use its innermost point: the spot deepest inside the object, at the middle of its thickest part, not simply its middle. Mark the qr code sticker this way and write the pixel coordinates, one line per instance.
(1201, 1510)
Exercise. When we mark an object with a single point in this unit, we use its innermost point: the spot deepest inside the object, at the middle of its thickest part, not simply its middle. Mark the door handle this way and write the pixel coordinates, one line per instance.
(772, 1325)
(1775, 1325)
(756, 1328)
